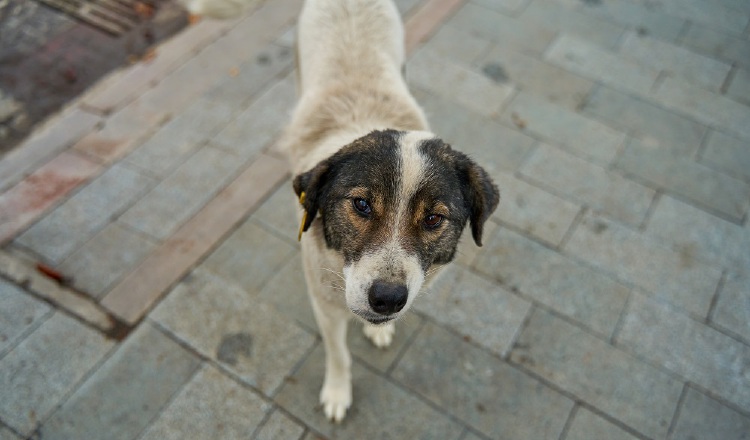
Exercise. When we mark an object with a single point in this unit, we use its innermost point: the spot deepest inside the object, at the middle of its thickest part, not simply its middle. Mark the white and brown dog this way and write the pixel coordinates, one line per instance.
(384, 201)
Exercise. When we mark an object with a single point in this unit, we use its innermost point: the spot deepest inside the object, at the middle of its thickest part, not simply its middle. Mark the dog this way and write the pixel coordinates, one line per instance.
(383, 200)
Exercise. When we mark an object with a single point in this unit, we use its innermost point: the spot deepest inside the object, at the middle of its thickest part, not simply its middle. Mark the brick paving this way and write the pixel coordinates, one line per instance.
(611, 299)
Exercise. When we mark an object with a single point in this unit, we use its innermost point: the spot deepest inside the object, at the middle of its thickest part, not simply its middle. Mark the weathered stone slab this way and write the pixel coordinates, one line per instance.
(588, 426)
(727, 154)
(704, 417)
(280, 426)
(19, 313)
(718, 44)
(732, 310)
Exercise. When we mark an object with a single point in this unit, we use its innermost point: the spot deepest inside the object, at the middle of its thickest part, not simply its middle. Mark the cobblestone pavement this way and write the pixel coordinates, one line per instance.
(611, 299)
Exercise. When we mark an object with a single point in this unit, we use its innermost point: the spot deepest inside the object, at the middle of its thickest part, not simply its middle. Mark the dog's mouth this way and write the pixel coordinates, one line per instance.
(372, 318)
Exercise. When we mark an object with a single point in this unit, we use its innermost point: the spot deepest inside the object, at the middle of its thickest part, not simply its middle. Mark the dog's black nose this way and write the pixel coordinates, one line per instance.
(387, 298)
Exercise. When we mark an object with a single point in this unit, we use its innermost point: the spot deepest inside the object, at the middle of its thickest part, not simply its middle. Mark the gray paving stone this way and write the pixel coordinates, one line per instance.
(19, 313)
(693, 350)
(467, 250)
(674, 276)
(679, 175)
(652, 124)
(503, 5)
(537, 77)
(620, 385)
(183, 193)
(380, 408)
(561, 283)
(246, 336)
(480, 389)
(261, 122)
(287, 291)
(382, 359)
(496, 147)
(534, 211)
(590, 61)
(727, 154)
(589, 184)
(703, 417)
(75, 221)
(589, 426)
(405, 6)
(458, 45)
(495, 26)
(7, 434)
(250, 256)
(698, 235)
(278, 213)
(53, 360)
(674, 60)
(104, 259)
(705, 106)
(717, 44)
(475, 308)
(739, 88)
(561, 126)
(639, 15)
(280, 426)
(122, 397)
(441, 76)
(732, 310)
(210, 406)
(707, 13)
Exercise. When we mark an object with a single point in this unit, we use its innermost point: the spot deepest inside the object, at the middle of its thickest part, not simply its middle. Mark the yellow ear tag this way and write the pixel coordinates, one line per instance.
(304, 216)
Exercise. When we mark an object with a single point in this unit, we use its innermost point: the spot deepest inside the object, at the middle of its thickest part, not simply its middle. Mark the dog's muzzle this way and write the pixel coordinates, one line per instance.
(387, 298)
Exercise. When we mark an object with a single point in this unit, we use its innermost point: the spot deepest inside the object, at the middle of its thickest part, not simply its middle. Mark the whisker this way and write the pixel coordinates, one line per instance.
(335, 273)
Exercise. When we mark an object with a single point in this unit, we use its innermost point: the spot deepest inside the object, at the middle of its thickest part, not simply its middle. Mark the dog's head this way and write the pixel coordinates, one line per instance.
(394, 204)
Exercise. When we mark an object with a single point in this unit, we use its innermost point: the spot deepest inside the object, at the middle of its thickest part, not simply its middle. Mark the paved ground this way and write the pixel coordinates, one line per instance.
(611, 299)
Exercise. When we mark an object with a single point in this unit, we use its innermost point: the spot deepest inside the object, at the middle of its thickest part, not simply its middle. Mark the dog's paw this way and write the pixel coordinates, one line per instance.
(336, 400)
(380, 335)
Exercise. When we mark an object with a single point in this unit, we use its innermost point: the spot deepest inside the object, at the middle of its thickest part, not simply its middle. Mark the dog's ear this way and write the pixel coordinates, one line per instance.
(312, 184)
(482, 196)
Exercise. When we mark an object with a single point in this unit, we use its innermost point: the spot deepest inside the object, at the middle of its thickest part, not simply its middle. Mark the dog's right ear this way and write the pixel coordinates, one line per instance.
(311, 184)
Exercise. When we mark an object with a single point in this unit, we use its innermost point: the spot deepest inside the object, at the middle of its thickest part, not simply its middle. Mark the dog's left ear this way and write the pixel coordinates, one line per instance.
(482, 195)
(311, 183)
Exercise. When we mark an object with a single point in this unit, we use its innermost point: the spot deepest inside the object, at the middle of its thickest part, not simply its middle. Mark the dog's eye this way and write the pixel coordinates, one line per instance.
(362, 206)
(433, 221)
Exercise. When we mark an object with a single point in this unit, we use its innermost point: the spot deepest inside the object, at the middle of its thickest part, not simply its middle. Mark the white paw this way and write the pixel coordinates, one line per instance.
(380, 335)
(336, 400)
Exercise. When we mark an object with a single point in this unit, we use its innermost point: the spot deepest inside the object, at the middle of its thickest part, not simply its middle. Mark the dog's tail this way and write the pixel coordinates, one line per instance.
(218, 8)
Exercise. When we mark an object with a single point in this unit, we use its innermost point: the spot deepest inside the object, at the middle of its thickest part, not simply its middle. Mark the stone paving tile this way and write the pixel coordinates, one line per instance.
(652, 124)
(250, 256)
(504, 6)
(45, 187)
(380, 408)
(705, 106)
(534, 211)
(7, 434)
(57, 135)
(505, 63)
(707, 13)
(280, 426)
(703, 417)
(475, 308)
(122, 397)
(19, 313)
(496, 147)
(674, 276)
(210, 406)
(441, 76)
(588, 426)
(497, 27)
(732, 310)
(480, 389)
(572, 289)
(695, 68)
(699, 353)
(679, 175)
(589, 184)
(717, 44)
(261, 122)
(620, 385)
(555, 124)
(554, 15)
(405, 6)
(739, 88)
(286, 290)
(227, 324)
(179, 196)
(467, 250)
(457, 45)
(590, 61)
(363, 349)
(54, 358)
(696, 234)
(104, 259)
(75, 221)
(279, 212)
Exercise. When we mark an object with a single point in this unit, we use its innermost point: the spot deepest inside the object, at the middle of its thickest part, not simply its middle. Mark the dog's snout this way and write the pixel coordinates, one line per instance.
(387, 298)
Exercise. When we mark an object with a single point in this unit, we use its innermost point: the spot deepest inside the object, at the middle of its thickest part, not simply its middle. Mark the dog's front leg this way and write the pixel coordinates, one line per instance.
(336, 394)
